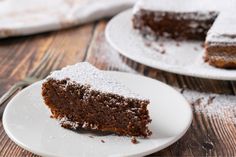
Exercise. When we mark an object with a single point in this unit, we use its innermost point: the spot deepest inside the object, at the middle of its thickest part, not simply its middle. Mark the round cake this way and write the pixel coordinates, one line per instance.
(209, 20)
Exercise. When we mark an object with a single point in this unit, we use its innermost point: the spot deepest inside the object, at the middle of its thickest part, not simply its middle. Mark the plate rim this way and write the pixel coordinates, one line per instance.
(157, 66)
(147, 152)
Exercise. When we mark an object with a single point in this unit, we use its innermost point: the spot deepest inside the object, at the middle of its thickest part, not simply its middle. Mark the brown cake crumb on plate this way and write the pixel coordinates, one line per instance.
(134, 140)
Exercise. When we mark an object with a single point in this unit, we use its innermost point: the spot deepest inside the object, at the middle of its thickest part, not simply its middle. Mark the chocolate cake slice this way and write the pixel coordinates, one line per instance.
(81, 96)
(221, 42)
(209, 20)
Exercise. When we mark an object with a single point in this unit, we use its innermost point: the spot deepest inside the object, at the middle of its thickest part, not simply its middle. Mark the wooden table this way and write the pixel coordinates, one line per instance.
(206, 136)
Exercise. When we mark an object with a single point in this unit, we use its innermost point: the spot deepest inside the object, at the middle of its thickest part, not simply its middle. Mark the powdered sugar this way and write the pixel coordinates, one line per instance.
(184, 5)
(85, 74)
(213, 105)
(66, 121)
(223, 30)
(75, 125)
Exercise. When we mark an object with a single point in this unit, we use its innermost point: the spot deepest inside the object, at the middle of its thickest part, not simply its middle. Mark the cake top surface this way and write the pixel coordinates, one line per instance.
(185, 5)
(223, 29)
(85, 74)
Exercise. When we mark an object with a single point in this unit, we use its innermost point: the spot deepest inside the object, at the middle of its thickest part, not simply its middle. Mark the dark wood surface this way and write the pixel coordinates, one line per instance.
(206, 136)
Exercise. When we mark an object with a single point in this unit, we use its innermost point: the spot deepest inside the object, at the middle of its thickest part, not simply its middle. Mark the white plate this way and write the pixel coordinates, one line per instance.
(184, 58)
(27, 122)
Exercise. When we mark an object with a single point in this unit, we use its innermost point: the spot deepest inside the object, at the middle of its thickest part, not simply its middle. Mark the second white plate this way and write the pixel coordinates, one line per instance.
(27, 122)
(184, 58)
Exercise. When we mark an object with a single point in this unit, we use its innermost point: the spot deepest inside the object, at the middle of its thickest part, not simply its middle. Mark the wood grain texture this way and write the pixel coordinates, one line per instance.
(206, 136)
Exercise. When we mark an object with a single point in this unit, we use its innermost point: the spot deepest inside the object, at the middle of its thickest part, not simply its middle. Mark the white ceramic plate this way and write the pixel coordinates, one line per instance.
(27, 122)
(184, 58)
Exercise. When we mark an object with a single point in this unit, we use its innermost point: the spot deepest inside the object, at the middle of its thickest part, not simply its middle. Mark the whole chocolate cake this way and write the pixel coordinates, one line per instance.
(211, 20)
(81, 96)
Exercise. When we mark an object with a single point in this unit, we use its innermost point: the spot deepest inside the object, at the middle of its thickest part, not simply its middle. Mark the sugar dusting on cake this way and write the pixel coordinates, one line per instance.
(185, 5)
(85, 74)
(64, 121)
(223, 30)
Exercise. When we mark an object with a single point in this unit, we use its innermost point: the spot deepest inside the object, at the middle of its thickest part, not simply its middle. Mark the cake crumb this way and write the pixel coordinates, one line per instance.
(203, 45)
(210, 100)
(91, 136)
(102, 141)
(134, 140)
(160, 50)
(177, 44)
(198, 101)
(148, 44)
(66, 125)
(195, 48)
(182, 90)
(161, 45)
(163, 51)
